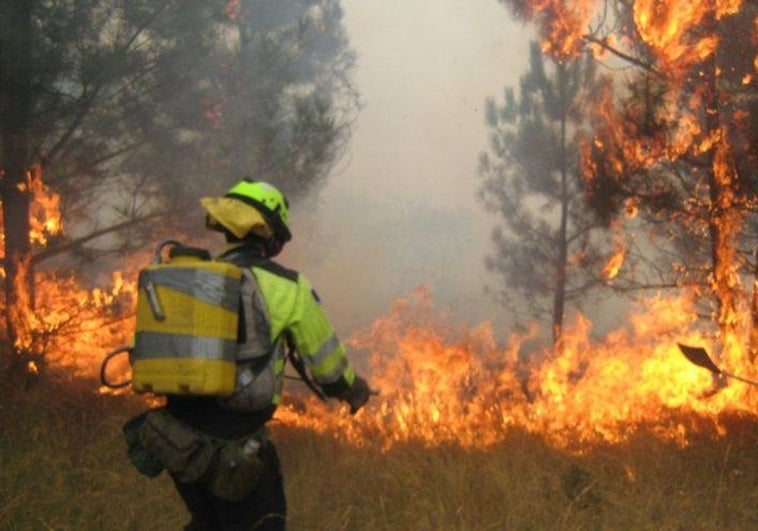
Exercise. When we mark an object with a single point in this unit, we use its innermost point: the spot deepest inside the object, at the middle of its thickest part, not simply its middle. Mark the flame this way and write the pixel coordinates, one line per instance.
(689, 121)
(667, 27)
(21, 312)
(445, 384)
(448, 383)
(631, 208)
(79, 325)
(729, 220)
(681, 112)
(614, 264)
(45, 217)
(45, 213)
(71, 324)
(562, 24)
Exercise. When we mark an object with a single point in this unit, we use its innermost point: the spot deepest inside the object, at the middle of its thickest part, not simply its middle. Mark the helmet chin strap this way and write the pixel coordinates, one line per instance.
(273, 246)
(269, 246)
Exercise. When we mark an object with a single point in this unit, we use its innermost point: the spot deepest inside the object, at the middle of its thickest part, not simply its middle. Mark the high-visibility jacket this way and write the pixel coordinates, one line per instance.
(289, 314)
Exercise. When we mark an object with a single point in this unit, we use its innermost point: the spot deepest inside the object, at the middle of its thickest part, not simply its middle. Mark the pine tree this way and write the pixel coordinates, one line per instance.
(673, 138)
(548, 248)
(132, 109)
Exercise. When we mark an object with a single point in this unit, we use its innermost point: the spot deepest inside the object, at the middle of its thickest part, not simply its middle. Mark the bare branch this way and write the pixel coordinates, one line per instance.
(618, 53)
(49, 252)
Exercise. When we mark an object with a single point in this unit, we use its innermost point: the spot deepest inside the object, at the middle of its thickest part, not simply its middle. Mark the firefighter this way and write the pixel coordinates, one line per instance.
(232, 478)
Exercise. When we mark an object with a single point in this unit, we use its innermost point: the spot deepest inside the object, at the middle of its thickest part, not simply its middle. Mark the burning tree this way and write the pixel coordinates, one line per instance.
(128, 107)
(673, 138)
(550, 245)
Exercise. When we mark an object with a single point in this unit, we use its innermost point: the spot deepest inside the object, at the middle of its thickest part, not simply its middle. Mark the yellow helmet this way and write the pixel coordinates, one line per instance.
(251, 206)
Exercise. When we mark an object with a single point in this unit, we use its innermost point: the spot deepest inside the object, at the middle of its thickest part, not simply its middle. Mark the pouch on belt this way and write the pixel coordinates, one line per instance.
(239, 469)
(142, 458)
(184, 452)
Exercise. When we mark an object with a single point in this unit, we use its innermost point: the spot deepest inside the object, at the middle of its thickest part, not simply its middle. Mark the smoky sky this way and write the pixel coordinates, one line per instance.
(400, 210)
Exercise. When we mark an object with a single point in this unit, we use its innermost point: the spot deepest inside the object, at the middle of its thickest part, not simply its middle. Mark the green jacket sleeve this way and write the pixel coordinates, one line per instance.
(317, 343)
(294, 309)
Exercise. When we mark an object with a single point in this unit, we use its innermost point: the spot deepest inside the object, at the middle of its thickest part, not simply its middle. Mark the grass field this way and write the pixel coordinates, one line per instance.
(63, 466)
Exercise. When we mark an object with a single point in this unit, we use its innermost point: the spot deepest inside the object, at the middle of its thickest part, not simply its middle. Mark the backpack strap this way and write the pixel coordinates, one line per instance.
(254, 339)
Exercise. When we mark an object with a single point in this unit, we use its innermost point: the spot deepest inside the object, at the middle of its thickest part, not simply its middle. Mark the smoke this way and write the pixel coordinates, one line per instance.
(402, 211)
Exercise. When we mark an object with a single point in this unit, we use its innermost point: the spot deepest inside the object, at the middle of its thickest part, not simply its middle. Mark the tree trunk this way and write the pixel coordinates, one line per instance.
(15, 109)
(559, 296)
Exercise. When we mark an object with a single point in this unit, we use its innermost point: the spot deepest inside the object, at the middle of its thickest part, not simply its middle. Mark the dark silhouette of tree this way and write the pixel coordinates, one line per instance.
(673, 138)
(547, 250)
(132, 109)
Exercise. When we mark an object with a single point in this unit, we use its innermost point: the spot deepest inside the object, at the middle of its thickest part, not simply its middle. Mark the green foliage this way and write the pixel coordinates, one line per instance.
(141, 107)
(133, 109)
(293, 101)
(547, 248)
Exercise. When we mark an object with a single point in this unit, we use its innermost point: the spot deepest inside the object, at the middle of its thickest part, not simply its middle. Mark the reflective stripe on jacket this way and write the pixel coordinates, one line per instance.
(294, 309)
(294, 315)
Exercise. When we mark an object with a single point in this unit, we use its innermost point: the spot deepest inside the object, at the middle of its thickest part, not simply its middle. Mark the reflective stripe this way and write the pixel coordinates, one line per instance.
(257, 323)
(157, 345)
(325, 350)
(279, 360)
(331, 374)
(213, 288)
(349, 375)
(261, 388)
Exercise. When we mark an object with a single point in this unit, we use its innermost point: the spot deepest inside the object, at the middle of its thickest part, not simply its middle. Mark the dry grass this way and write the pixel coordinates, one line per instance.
(63, 466)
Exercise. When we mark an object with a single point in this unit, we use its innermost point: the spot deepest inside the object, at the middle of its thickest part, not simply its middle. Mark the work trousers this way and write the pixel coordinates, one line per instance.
(264, 509)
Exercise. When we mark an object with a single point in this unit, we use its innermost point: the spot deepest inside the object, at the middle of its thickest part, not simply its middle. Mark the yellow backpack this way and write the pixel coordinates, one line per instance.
(187, 325)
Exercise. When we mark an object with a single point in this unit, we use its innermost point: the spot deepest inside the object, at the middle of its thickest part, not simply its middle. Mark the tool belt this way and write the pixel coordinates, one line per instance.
(230, 468)
(142, 459)
(186, 453)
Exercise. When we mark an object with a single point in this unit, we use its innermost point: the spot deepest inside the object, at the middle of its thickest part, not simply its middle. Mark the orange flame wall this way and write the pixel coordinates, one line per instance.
(445, 384)
(67, 323)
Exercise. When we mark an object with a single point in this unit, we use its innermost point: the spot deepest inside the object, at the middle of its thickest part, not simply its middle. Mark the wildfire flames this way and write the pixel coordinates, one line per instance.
(440, 384)
(446, 383)
(67, 322)
(613, 267)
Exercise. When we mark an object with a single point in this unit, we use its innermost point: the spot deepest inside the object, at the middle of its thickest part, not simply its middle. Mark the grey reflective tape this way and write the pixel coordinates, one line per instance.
(207, 286)
(257, 322)
(157, 345)
(244, 378)
(257, 389)
(277, 359)
(327, 348)
(334, 375)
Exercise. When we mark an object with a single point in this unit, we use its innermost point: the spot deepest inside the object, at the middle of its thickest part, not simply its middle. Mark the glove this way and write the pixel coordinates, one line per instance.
(357, 395)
